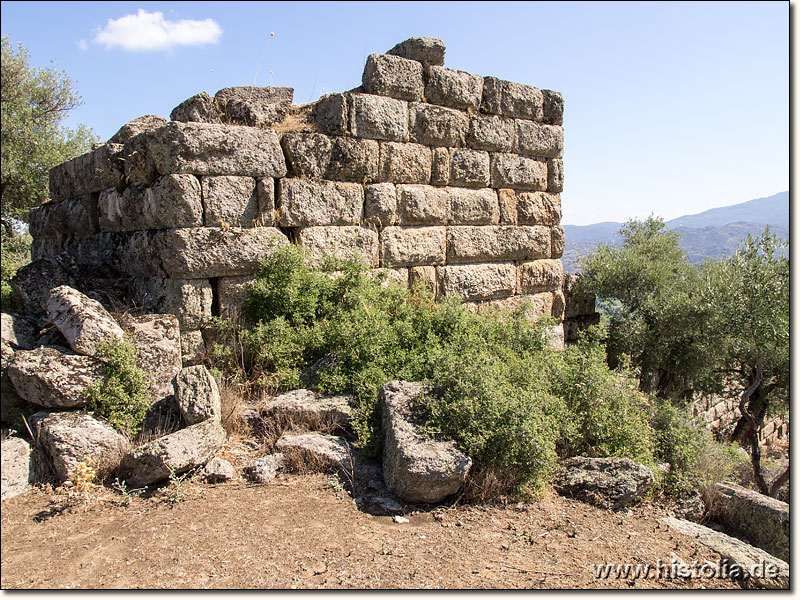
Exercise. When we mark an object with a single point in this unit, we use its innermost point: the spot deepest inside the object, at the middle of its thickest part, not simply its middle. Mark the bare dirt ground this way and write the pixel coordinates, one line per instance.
(305, 531)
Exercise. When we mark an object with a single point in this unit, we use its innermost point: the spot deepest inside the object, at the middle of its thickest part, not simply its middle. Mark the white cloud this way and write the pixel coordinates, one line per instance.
(82, 44)
(146, 32)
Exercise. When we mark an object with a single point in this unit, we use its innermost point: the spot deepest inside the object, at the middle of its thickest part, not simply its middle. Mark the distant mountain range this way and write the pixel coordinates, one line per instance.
(709, 234)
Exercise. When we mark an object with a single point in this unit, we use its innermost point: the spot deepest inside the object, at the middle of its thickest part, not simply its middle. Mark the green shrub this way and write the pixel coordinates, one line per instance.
(15, 253)
(122, 397)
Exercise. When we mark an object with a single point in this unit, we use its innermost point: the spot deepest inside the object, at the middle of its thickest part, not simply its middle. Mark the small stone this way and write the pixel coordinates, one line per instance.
(399, 519)
(265, 469)
(219, 470)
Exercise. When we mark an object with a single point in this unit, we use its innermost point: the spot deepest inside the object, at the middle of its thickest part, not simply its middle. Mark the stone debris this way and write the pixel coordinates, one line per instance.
(399, 519)
(16, 473)
(317, 452)
(197, 395)
(157, 339)
(219, 470)
(82, 321)
(604, 482)
(312, 410)
(265, 469)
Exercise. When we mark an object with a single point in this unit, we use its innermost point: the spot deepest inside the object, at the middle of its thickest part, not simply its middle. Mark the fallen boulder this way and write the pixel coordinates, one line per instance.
(16, 472)
(316, 451)
(416, 469)
(18, 332)
(197, 394)
(33, 282)
(219, 470)
(604, 482)
(312, 410)
(157, 339)
(264, 469)
(83, 321)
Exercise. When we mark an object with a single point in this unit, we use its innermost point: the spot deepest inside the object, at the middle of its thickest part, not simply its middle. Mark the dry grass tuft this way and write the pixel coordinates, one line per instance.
(486, 485)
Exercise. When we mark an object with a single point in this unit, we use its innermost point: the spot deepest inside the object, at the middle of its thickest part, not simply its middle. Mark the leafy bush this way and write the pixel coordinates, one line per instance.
(122, 398)
(15, 253)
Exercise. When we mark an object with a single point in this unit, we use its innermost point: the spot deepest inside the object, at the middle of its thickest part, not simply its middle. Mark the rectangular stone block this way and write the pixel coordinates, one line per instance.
(305, 202)
(380, 204)
(342, 243)
(555, 175)
(137, 164)
(353, 159)
(556, 241)
(470, 244)
(426, 277)
(534, 307)
(231, 292)
(456, 89)
(47, 247)
(473, 207)
(212, 149)
(405, 163)
(265, 189)
(553, 107)
(436, 125)
(559, 305)
(229, 200)
(519, 172)
(122, 211)
(512, 99)
(188, 299)
(74, 216)
(508, 207)
(254, 106)
(538, 208)
(137, 254)
(193, 348)
(469, 168)
(379, 118)
(331, 114)
(412, 246)
(423, 205)
(478, 282)
(539, 139)
(91, 172)
(387, 277)
(540, 276)
(307, 154)
(440, 166)
(491, 132)
(388, 75)
(205, 252)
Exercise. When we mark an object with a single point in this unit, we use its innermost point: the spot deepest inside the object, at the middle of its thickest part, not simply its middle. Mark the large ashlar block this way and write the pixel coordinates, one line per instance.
(491, 132)
(519, 172)
(456, 89)
(497, 242)
(380, 204)
(188, 299)
(436, 125)
(343, 243)
(137, 254)
(304, 203)
(137, 164)
(265, 189)
(556, 241)
(331, 114)
(229, 200)
(538, 208)
(353, 159)
(254, 106)
(559, 305)
(135, 127)
(211, 149)
(478, 282)
(74, 216)
(388, 75)
(405, 163)
(412, 246)
(473, 207)
(424, 276)
(553, 108)
(512, 99)
(205, 252)
(94, 171)
(533, 306)
(200, 108)
(307, 154)
(540, 276)
(428, 51)
(539, 139)
(423, 205)
(232, 292)
(379, 118)
(387, 277)
(469, 168)
(555, 175)
(440, 166)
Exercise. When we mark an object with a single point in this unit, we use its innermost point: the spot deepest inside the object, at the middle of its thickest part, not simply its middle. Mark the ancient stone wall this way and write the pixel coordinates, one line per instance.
(429, 173)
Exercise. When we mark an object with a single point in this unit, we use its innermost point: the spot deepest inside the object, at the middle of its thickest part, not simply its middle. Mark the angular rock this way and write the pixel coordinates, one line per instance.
(157, 339)
(193, 348)
(467, 244)
(264, 469)
(556, 242)
(428, 51)
(33, 282)
(436, 125)
(230, 200)
(197, 395)
(491, 132)
(188, 299)
(538, 208)
(219, 470)
(82, 321)
(423, 205)
(137, 163)
(541, 275)
(440, 166)
(474, 207)
(405, 163)
(17, 467)
(331, 114)
(379, 118)
(456, 89)
(553, 107)
(469, 168)
(254, 106)
(555, 175)
(316, 451)
(512, 99)
(409, 246)
(94, 171)
(353, 159)
(605, 482)
(174, 201)
(307, 154)
(518, 172)
(311, 409)
(172, 454)
(389, 75)
(200, 108)
(265, 189)
(135, 127)
(380, 204)
(533, 307)
(416, 469)
(537, 139)
(73, 216)
(509, 214)
(304, 202)
(232, 292)
(478, 282)
(19, 332)
(342, 243)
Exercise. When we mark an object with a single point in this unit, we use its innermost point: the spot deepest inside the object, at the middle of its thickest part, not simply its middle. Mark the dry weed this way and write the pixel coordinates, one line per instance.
(486, 485)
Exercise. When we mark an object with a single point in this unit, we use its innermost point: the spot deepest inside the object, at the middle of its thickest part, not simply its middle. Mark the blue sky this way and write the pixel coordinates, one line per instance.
(670, 108)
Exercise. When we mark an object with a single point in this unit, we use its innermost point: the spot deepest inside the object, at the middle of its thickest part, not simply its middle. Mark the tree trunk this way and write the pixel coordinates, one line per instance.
(757, 407)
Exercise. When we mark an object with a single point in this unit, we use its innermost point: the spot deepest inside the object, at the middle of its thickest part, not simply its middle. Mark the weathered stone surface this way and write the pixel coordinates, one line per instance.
(457, 89)
(424, 276)
(508, 207)
(331, 114)
(553, 107)
(138, 166)
(436, 125)
(538, 208)
(157, 339)
(556, 242)
(230, 200)
(497, 242)
(428, 51)
(390, 75)
(82, 321)
(216, 252)
(33, 282)
(17, 467)
(265, 190)
(473, 207)
(48, 377)
(264, 469)
(512, 99)
(187, 299)
(440, 166)
(764, 521)
(415, 468)
(386, 277)
(174, 453)
(558, 305)
(174, 201)
(380, 204)
(353, 159)
(409, 246)
(379, 118)
(219, 470)
(73, 437)
(312, 410)
(46, 248)
(519, 172)
(211, 149)
(540, 276)
(423, 204)
(405, 163)
(555, 337)
(254, 106)
(478, 282)
(537, 139)
(533, 306)
(200, 108)
(197, 395)
(491, 132)
(193, 348)
(555, 175)
(578, 302)
(91, 172)
(307, 154)
(19, 332)
(232, 292)
(135, 127)
(605, 482)
(316, 451)
(342, 243)
(469, 168)
(74, 216)
(304, 202)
